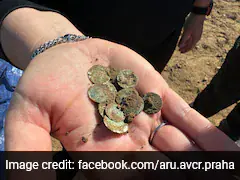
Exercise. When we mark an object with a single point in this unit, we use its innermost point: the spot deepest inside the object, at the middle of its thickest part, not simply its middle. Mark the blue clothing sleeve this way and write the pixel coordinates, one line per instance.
(9, 77)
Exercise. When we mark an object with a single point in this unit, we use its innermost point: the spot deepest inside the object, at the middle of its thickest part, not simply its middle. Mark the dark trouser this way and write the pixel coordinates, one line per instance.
(160, 54)
(223, 91)
(151, 28)
(233, 121)
(157, 52)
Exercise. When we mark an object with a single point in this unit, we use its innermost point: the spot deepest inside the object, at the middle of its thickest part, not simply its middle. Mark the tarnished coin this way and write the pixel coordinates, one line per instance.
(129, 118)
(123, 93)
(132, 104)
(101, 108)
(152, 103)
(100, 93)
(111, 87)
(116, 127)
(112, 72)
(98, 74)
(113, 111)
(127, 79)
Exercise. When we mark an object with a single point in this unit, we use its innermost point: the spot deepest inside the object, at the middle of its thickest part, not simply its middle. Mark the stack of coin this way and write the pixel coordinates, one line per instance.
(118, 100)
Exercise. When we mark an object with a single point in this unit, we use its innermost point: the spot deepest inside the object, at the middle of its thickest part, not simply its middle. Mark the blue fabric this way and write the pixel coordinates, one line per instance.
(9, 77)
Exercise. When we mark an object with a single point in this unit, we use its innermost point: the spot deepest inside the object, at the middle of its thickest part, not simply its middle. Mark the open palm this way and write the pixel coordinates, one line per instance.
(51, 98)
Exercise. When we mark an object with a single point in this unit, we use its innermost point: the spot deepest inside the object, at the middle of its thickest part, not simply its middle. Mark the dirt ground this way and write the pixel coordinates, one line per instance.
(189, 73)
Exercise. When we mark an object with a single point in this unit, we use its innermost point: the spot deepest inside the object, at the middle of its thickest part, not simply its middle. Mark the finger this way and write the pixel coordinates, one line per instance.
(187, 45)
(193, 124)
(140, 130)
(185, 37)
(169, 138)
(26, 127)
(187, 48)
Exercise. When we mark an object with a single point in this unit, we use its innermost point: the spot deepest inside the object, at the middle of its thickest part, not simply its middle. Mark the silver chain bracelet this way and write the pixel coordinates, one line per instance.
(62, 39)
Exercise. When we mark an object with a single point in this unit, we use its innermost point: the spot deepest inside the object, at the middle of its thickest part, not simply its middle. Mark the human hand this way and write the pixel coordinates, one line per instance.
(51, 97)
(192, 32)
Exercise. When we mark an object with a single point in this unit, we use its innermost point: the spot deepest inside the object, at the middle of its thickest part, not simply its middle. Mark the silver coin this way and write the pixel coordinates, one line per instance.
(132, 104)
(123, 93)
(101, 108)
(98, 74)
(100, 93)
(111, 87)
(127, 79)
(152, 103)
(116, 127)
(113, 111)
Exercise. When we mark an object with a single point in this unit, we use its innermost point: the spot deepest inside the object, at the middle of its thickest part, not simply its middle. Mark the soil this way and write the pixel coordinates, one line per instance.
(188, 74)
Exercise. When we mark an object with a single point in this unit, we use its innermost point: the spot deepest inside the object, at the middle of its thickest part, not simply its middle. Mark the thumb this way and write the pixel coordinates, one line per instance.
(26, 127)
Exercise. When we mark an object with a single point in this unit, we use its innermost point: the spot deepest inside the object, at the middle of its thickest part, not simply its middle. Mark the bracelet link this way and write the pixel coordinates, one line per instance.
(62, 39)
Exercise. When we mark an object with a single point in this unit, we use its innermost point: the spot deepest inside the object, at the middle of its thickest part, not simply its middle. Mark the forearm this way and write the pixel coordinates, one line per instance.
(25, 29)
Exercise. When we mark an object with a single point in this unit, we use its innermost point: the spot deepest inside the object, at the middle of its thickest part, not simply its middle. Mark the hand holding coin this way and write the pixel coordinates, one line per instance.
(100, 96)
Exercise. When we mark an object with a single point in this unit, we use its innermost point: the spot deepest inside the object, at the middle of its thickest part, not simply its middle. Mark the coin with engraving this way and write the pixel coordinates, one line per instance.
(127, 79)
(100, 93)
(123, 93)
(101, 108)
(132, 104)
(116, 127)
(114, 112)
(111, 87)
(129, 118)
(98, 74)
(112, 72)
(152, 103)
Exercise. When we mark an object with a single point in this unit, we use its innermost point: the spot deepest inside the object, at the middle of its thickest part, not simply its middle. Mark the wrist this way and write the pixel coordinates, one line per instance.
(198, 17)
(19, 40)
(202, 3)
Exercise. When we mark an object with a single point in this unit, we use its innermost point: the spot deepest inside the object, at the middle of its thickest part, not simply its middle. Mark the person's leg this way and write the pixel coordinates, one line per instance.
(151, 28)
(231, 125)
(159, 54)
(224, 89)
